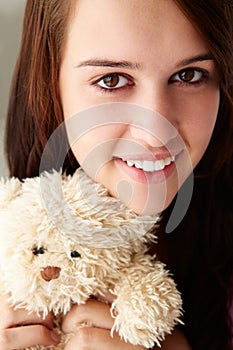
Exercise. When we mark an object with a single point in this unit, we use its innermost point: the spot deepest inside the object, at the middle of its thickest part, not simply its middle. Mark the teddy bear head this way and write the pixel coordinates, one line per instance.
(58, 246)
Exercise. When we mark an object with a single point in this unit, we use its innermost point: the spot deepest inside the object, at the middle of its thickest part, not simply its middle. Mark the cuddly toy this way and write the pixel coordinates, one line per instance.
(63, 239)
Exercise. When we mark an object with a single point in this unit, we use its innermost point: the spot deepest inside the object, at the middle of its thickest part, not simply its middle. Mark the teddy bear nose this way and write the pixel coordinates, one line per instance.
(50, 273)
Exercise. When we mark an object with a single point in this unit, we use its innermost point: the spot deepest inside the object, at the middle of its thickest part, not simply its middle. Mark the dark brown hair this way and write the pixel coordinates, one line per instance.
(200, 249)
(35, 109)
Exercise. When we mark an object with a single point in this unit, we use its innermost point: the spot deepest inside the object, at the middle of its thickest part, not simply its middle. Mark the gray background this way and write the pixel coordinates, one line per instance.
(11, 18)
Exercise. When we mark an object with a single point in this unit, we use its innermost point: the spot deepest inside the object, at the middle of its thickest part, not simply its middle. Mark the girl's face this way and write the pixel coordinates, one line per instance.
(146, 56)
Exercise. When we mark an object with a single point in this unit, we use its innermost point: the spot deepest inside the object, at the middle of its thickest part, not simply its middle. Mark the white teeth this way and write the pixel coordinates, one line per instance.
(130, 162)
(159, 165)
(149, 165)
(138, 164)
(168, 160)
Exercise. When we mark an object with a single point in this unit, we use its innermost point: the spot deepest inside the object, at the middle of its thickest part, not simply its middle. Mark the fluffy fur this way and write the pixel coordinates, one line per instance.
(64, 239)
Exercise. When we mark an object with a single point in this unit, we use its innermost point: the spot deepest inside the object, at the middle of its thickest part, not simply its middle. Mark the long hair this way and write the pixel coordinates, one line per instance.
(200, 249)
(35, 106)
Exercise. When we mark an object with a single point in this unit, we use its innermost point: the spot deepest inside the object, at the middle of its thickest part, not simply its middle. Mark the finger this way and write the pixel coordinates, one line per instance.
(11, 317)
(21, 317)
(96, 338)
(106, 298)
(93, 312)
(22, 337)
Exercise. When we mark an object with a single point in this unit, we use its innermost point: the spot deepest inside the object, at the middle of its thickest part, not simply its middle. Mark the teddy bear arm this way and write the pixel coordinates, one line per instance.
(147, 306)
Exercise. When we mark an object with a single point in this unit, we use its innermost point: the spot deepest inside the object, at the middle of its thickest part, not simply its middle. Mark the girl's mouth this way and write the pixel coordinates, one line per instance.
(150, 165)
(148, 171)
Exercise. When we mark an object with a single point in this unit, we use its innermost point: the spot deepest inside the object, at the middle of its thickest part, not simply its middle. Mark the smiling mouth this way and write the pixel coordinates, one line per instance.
(150, 165)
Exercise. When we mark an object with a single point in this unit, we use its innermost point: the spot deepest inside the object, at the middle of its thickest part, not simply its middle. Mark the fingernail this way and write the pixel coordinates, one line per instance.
(55, 337)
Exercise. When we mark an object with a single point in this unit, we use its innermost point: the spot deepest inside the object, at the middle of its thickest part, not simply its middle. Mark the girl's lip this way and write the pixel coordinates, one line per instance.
(149, 156)
(142, 176)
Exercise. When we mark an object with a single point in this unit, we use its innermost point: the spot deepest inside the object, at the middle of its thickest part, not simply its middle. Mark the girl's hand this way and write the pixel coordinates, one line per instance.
(97, 337)
(19, 330)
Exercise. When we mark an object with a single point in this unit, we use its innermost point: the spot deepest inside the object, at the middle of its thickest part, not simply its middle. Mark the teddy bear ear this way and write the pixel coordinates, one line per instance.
(9, 190)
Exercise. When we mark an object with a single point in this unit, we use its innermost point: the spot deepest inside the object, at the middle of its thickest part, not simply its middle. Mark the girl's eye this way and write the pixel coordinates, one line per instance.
(113, 81)
(189, 76)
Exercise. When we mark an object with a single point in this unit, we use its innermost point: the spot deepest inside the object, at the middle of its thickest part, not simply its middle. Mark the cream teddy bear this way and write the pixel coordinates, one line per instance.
(63, 239)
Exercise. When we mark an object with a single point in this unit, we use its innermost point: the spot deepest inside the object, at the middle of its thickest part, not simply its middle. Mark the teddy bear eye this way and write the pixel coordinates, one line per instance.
(75, 254)
(38, 250)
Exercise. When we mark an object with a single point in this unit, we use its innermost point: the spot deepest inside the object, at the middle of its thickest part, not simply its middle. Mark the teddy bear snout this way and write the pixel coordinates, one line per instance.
(50, 273)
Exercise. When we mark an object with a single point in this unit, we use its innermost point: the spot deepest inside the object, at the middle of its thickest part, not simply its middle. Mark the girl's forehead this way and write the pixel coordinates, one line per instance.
(129, 28)
(137, 16)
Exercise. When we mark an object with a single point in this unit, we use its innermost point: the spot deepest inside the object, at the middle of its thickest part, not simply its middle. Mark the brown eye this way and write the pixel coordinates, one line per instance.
(38, 250)
(190, 76)
(111, 81)
(187, 75)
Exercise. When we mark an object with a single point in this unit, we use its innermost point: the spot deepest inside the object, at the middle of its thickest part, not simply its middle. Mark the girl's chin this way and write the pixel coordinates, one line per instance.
(146, 209)
(149, 203)
(143, 198)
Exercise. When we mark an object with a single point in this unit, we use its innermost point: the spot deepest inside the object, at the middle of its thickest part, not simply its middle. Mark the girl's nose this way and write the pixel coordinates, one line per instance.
(145, 136)
(50, 273)
(154, 124)
(152, 129)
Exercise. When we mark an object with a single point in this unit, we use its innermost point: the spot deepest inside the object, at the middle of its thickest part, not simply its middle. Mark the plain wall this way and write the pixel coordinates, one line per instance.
(11, 18)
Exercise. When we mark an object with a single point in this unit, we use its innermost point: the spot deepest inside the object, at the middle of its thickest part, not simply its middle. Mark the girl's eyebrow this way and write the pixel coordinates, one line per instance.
(96, 62)
(198, 58)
